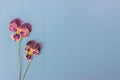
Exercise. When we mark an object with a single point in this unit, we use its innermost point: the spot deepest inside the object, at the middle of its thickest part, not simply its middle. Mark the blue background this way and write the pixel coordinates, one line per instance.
(81, 39)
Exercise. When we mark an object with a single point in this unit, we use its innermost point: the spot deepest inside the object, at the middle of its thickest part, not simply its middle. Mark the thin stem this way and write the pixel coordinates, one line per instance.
(28, 65)
(19, 61)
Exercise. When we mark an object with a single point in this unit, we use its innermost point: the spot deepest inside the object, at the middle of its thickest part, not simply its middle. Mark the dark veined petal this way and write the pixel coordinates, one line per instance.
(16, 37)
(28, 57)
(17, 21)
(27, 25)
(27, 48)
(34, 45)
(13, 27)
(24, 32)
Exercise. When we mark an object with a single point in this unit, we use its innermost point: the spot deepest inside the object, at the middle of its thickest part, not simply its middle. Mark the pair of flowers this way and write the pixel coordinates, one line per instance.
(22, 30)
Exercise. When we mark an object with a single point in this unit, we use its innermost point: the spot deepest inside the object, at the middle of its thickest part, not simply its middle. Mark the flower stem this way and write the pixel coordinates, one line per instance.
(28, 65)
(19, 61)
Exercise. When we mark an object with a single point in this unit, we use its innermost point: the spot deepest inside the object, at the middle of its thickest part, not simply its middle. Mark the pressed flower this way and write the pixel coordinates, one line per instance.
(32, 48)
(21, 29)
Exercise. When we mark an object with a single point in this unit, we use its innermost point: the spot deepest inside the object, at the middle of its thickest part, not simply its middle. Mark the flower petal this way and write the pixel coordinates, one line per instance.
(28, 26)
(34, 45)
(17, 21)
(16, 37)
(36, 52)
(13, 27)
(27, 48)
(24, 32)
(28, 57)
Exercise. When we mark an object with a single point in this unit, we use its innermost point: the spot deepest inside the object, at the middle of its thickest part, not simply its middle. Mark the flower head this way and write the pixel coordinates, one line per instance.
(21, 29)
(32, 48)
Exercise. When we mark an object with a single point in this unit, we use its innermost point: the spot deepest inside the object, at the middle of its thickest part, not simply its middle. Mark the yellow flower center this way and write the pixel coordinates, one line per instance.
(31, 52)
(18, 30)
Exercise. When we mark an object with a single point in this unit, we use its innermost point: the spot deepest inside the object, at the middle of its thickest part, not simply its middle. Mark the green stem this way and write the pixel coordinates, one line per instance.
(28, 65)
(19, 61)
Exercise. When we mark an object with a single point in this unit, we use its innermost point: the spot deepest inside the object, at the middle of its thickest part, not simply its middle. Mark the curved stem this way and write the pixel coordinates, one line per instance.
(19, 61)
(28, 65)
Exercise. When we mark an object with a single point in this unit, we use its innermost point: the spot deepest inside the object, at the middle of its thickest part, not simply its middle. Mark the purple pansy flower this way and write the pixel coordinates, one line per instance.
(32, 48)
(21, 29)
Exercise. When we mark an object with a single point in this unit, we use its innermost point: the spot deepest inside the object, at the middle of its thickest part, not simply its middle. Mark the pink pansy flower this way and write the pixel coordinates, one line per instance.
(21, 29)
